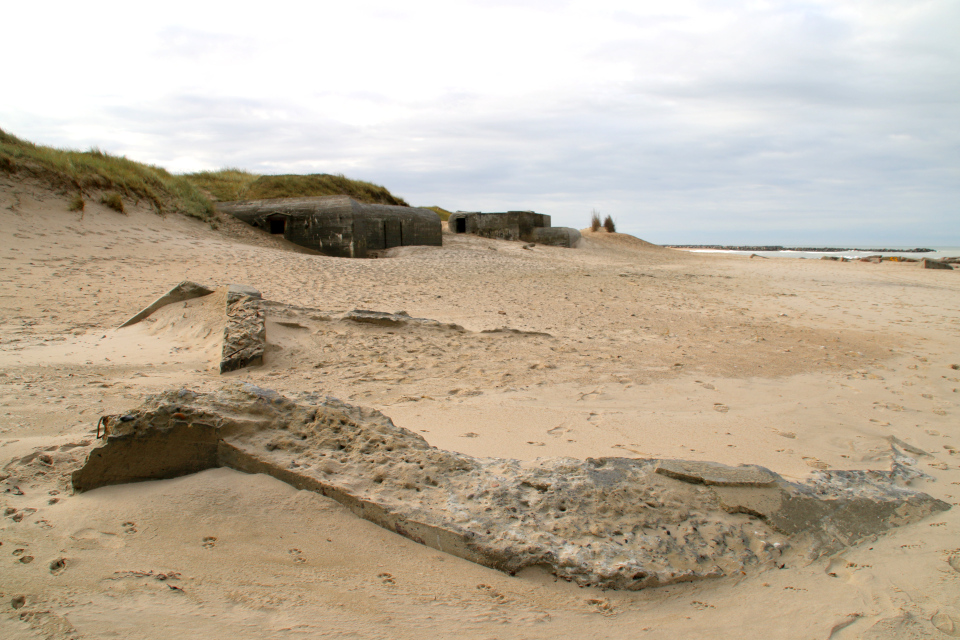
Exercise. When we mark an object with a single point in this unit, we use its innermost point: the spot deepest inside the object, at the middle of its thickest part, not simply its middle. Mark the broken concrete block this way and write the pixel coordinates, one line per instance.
(610, 522)
(245, 333)
(935, 264)
(186, 290)
(714, 473)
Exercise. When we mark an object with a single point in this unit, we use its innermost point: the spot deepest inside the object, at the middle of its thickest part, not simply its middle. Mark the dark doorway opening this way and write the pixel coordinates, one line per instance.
(461, 225)
(392, 233)
(278, 225)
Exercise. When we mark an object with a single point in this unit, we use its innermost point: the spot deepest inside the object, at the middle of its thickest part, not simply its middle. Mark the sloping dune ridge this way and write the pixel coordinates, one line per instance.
(616, 349)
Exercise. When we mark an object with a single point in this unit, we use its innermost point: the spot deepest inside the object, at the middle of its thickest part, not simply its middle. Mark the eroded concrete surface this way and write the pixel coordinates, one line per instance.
(610, 522)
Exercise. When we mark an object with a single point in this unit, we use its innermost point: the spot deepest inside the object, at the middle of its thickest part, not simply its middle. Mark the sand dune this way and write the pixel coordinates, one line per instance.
(793, 365)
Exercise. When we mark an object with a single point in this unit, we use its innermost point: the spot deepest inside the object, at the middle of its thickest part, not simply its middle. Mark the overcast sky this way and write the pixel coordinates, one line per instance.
(813, 122)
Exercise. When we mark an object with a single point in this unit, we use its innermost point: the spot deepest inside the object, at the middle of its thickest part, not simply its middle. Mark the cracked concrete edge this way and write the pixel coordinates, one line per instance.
(186, 290)
(245, 332)
(183, 432)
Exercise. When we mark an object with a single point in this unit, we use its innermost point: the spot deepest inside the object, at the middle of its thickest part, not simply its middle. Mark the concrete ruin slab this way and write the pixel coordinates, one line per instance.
(186, 290)
(714, 473)
(244, 332)
(609, 522)
(396, 319)
(935, 264)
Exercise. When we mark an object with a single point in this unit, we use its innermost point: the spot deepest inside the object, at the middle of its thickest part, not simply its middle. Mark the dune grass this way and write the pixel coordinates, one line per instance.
(443, 213)
(609, 225)
(87, 171)
(595, 220)
(116, 178)
(236, 184)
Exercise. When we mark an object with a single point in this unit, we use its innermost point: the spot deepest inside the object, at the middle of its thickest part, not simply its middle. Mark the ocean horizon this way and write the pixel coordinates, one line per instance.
(895, 250)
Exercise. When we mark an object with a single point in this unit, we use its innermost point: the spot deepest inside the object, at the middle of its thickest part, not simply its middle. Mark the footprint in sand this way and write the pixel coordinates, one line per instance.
(815, 462)
(946, 623)
(386, 578)
(129, 527)
(536, 444)
(297, 556)
(719, 406)
(57, 566)
(209, 542)
(601, 605)
(470, 434)
(954, 562)
(498, 597)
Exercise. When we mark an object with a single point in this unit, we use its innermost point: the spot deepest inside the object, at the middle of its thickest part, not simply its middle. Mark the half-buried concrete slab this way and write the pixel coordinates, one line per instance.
(609, 522)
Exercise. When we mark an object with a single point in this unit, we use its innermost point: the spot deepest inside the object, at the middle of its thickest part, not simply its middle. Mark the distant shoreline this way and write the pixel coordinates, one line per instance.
(805, 249)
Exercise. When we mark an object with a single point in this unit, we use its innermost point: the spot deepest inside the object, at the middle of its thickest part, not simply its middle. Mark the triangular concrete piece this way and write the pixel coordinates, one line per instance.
(186, 290)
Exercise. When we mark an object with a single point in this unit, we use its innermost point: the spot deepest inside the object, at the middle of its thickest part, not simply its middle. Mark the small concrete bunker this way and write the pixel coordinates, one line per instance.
(339, 225)
(526, 226)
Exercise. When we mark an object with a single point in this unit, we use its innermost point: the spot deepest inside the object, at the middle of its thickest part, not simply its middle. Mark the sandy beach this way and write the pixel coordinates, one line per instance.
(616, 348)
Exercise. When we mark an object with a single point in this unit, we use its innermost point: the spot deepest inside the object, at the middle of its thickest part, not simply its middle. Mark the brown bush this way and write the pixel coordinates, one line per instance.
(595, 221)
(609, 225)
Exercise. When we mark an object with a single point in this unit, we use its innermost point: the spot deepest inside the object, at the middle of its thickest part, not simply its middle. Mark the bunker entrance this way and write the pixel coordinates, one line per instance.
(461, 225)
(392, 234)
(278, 225)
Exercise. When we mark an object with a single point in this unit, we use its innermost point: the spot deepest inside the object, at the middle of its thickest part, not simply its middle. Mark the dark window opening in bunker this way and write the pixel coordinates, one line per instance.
(277, 225)
(461, 225)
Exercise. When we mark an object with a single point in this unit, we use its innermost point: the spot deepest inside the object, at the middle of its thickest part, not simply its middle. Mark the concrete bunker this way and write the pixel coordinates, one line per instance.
(338, 225)
(525, 226)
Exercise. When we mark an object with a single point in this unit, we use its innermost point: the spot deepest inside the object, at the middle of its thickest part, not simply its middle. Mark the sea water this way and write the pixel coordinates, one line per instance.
(938, 252)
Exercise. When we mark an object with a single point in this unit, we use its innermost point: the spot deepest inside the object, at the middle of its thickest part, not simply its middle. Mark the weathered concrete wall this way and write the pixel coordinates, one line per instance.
(340, 226)
(512, 225)
(525, 226)
(557, 236)
(245, 332)
(609, 522)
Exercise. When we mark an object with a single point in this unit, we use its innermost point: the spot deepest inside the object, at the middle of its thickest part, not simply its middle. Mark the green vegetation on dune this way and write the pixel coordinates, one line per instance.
(443, 213)
(115, 177)
(235, 184)
(94, 170)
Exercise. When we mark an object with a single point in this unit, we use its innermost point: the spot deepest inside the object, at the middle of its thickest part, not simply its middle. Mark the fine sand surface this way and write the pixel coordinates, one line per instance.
(625, 349)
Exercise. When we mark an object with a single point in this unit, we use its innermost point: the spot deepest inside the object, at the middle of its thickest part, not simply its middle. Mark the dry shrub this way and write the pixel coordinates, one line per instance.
(609, 225)
(113, 201)
(76, 203)
(595, 221)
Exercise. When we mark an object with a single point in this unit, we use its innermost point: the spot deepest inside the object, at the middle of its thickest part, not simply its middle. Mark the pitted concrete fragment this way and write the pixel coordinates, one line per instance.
(714, 473)
(934, 264)
(245, 334)
(186, 290)
(609, 522)
(398, 318)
